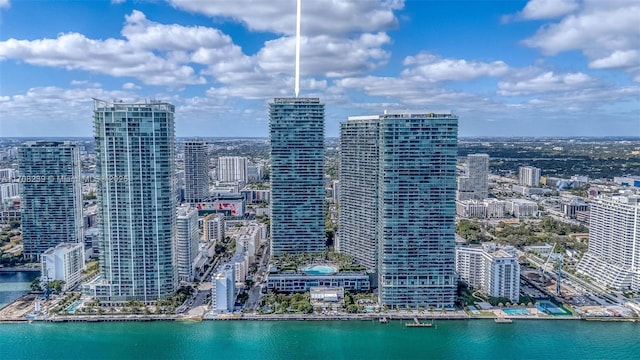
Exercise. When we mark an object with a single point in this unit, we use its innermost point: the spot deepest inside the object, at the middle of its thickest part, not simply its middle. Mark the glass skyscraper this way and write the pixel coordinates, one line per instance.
(136, 205)
(297, 175)
(416, 209)
(196, 172)
(358, 194)
(51, 195)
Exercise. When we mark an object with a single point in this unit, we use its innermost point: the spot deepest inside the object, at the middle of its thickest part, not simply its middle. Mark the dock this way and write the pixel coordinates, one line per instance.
(417, 323)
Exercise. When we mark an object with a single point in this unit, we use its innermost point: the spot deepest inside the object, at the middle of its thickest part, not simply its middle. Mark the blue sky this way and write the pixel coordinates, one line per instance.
(507, 68)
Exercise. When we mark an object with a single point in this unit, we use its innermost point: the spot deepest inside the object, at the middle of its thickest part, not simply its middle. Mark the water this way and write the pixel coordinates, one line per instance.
(14, 284)
(320, 270)
(472, 339)
(516, 311)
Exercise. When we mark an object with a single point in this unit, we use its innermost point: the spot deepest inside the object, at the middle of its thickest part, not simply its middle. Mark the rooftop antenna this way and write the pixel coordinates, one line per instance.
(297, 85)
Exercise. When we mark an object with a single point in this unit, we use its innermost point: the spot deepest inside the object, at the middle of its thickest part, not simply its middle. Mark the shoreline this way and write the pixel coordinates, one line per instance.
(23, 313)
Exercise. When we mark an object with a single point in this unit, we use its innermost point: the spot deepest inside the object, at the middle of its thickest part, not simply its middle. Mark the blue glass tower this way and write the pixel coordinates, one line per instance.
(135, 146)
(416, 209)
(297, 175)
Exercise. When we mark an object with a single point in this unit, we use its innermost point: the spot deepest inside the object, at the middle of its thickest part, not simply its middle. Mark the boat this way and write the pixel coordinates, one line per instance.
(383, 320)
(417, 323)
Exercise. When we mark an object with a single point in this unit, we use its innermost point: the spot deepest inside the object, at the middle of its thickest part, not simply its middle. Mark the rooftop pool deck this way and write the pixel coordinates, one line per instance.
(320, 270)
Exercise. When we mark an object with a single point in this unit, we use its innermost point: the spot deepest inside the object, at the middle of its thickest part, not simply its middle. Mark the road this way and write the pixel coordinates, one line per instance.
(594, 289)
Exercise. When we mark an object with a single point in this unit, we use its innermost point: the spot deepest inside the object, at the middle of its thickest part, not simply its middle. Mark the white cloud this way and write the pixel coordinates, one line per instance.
(617, 59)
(534, 81)
(607, 33)
(326, 55)
(431, 68)
(118, 1)
(547, 9)
(318, 17)
(130, 86)
(4, 4)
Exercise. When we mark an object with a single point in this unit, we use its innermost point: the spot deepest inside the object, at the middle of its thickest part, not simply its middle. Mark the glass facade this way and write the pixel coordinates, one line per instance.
(51, 195)
(416, 210)
(196, 172)
(297, 175)
(359, 162)
(136, 208)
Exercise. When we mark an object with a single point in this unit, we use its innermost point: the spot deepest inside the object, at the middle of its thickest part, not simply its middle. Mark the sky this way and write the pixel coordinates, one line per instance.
(506, 68)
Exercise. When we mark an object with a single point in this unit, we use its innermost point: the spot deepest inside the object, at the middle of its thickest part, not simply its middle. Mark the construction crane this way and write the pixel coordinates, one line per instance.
(558, 257)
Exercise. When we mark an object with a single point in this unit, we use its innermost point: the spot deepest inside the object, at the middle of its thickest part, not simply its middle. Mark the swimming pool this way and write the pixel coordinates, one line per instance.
(320, 270)
(516, 311)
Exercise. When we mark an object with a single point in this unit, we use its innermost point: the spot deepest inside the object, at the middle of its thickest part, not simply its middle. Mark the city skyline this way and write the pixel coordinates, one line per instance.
(514, 68)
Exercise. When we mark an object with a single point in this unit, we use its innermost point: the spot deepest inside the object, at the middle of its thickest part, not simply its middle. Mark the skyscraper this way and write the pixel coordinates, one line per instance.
(233, 168)
(297, 183)
(359, 163)
(475, 184)
(613, 257)
(416, 209)
(51, 195)
(196, 172)
(136, 203)
(187, 239)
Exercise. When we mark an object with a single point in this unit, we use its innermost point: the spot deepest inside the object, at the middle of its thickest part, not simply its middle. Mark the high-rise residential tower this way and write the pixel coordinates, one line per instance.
(475, 185)
(187, 238)
(358, 193)
(233, 168)
(51, 195)
(416, 209)
(529, 176)
(297, 183)
(196, 172)
(613, 257)
(135, 145)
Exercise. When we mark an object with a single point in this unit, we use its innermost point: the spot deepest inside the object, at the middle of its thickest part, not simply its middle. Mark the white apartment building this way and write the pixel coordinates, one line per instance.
(613, 257)
(521, 208)
(214, 227)
(233, 168)
(481, 209)
(64, 262)
(223, 290)
(187, 238)
(529, 176)
(491, 269)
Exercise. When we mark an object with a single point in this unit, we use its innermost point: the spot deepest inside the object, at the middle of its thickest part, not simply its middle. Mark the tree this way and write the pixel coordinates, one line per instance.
(56, 285)
(35, 285)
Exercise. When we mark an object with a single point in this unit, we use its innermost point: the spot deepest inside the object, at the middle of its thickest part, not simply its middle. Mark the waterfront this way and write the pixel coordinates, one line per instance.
(14, 284)
(477, 339)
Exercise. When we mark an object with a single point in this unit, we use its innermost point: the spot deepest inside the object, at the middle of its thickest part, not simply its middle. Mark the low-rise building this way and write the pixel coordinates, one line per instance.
(491, 269)
(64, 262)
(292, 281)
(521, 208)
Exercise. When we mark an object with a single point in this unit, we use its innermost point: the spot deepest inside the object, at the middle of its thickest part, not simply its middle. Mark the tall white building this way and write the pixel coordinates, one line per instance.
(223, 289)
(196, 172)
(475, 184)
(233, 169)
(135, 145)
(613, 257)
(64, 262)
(490, 269)
(51, 195)
(187, 239)
(529, 176)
